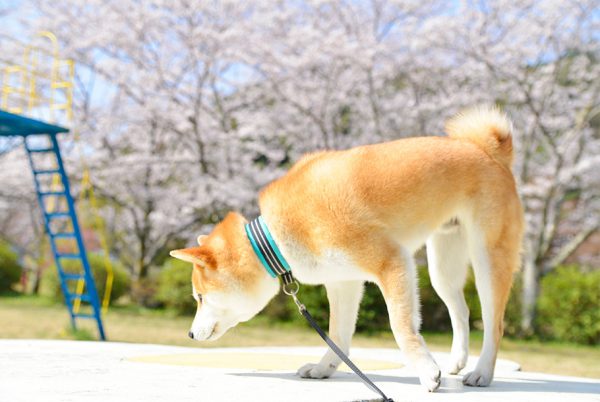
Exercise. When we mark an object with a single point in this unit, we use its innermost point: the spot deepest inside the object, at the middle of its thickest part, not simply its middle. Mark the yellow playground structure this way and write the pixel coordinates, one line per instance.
(41, 87)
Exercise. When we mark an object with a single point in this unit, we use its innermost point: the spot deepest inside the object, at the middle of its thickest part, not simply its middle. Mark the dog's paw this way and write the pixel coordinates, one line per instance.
(429, 374)
(477, 378)
(457, 362)
(315, 371)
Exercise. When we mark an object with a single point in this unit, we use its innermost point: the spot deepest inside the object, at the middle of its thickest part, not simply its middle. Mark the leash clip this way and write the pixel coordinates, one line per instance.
(292, 292)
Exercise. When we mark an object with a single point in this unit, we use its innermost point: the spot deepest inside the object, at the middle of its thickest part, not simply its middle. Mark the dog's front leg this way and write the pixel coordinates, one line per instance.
(344, 300)
(398, 283)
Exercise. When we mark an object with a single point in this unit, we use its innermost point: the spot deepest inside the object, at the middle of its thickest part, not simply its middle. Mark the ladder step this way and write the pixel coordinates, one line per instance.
(90, 316)
(66, 235)
(48, 193)
(57, 215)
(83, 297)
(46, 171)
(69, 256)
(72, 277)
(42, 150)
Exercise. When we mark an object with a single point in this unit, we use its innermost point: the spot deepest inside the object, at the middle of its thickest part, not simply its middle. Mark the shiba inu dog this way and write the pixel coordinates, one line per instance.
(341, 218)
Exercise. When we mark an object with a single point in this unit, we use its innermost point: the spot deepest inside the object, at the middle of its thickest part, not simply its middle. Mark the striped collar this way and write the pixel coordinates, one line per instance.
(267, 251)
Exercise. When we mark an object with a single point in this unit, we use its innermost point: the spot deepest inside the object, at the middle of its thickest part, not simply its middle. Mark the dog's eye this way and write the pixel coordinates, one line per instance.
(199, 298)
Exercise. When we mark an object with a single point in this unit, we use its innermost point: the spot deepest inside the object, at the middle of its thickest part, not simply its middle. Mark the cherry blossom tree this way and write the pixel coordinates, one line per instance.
(540, 61)
(186, 109)
(164, 142)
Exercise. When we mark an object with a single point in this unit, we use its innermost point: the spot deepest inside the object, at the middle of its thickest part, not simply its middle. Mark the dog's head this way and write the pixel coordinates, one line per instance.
(228, 282)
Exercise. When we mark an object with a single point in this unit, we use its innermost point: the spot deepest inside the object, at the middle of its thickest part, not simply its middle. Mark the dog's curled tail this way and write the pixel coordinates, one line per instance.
(487, 127)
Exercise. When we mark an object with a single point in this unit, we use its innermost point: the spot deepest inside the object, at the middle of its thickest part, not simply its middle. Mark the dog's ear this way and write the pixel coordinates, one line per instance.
(201, 239)
(201, 256)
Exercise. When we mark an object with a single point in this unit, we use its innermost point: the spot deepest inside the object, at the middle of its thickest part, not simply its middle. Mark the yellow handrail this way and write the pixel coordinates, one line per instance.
(8, 88)
(27, 91)
(88, 188)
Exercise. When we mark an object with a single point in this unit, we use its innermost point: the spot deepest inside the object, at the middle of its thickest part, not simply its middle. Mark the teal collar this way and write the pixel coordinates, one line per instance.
(267, 251)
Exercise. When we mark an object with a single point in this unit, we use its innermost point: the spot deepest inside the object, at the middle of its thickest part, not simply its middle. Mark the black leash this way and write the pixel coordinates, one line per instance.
(271, 258)
(332, 344)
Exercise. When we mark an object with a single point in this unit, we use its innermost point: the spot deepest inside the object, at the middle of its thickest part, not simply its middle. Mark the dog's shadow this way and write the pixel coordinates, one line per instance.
(555, 386)
(337, 377)
(453, 384)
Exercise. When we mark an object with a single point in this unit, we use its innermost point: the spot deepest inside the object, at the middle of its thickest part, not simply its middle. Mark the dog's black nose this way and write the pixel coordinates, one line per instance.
(191, 335)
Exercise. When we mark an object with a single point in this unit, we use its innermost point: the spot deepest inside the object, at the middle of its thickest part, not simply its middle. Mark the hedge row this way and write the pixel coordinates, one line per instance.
(373, 316)
(10, 269)
(50, 285)
(568, 306)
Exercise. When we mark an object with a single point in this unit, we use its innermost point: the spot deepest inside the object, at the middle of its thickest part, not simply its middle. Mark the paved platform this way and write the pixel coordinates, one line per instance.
(49, 371)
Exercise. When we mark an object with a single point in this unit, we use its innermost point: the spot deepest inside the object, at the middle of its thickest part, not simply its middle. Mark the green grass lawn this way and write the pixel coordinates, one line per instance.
(28, 317)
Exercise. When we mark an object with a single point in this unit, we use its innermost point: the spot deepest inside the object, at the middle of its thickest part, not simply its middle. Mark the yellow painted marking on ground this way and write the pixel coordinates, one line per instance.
(267, 361)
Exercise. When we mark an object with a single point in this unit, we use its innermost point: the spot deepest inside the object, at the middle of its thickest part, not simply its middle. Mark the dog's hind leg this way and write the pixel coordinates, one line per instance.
(494, 261)
(448, 258)
(344, 301)
(398, 282)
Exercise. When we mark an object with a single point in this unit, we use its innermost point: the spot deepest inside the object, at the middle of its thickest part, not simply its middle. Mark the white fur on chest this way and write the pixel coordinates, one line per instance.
(331, 266)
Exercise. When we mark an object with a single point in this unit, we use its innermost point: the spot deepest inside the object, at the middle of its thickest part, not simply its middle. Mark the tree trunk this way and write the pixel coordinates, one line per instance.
(529, 296)
(143, 270)
(37, 279)
(143, 288)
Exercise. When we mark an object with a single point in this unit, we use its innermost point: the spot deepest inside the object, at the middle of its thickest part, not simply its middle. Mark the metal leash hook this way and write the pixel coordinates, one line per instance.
(292, 292)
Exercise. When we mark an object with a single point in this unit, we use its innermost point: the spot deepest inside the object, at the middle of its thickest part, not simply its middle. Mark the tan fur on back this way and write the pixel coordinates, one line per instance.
(398, 191)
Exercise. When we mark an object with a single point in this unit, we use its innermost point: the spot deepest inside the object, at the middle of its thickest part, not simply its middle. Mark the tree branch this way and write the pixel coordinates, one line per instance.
(569, 248)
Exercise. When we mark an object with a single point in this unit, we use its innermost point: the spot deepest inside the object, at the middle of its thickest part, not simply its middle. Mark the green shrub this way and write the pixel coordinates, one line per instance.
(283, 309)
(50, 285)
(569, 306)
(434, 315)
(174, 291)
(143, 291)
(175, 287)
(373, 316)
(512, 315)
(10, 270)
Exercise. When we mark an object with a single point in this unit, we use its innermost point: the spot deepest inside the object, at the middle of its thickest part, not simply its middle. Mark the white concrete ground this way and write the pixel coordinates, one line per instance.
(49, 371)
